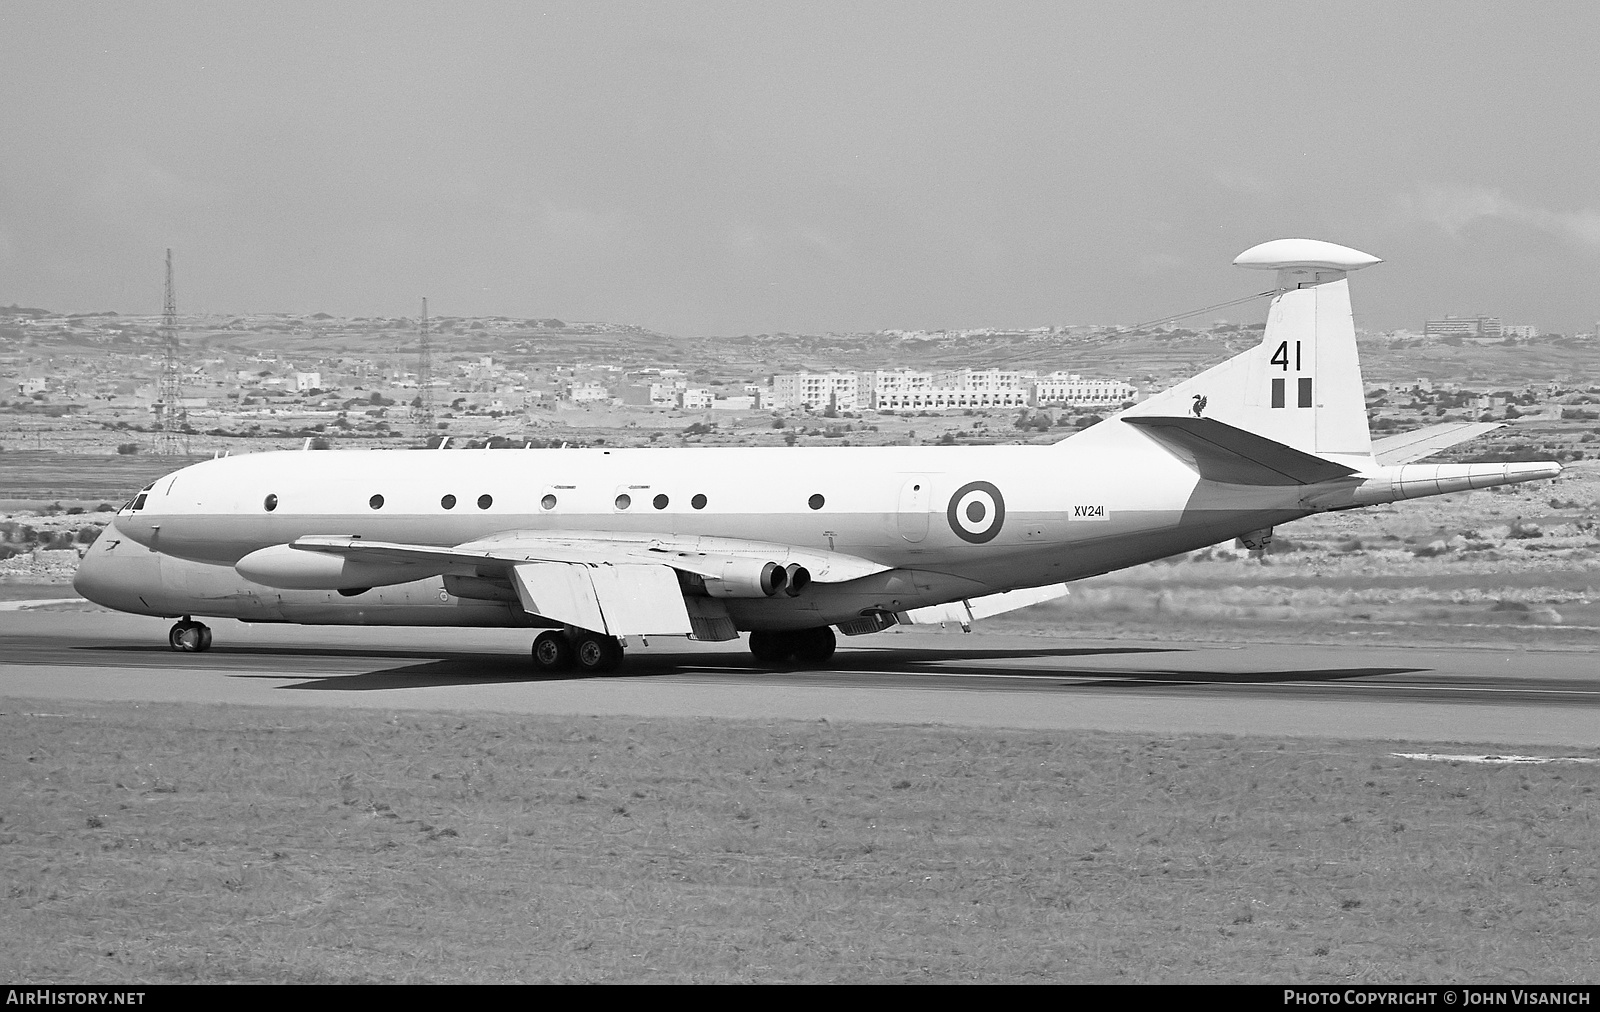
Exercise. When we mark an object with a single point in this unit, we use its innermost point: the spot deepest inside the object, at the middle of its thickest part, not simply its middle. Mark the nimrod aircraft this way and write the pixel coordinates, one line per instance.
(602, 547)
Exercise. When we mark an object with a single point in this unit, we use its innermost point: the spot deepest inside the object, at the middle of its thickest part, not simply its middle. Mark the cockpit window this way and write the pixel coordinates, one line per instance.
(138, 502)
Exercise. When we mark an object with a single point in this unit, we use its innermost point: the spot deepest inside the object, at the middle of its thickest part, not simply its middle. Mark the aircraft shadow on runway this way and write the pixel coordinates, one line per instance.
(486, 668)
(465, 669)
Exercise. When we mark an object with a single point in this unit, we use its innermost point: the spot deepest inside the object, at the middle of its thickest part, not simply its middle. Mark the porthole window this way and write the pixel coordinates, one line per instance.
(270, 503)
(624, 501)
(816, 501)
(659, 502)
(448, 502)
(376, 502)
(699, 501)
(485, 501)
(548, 502)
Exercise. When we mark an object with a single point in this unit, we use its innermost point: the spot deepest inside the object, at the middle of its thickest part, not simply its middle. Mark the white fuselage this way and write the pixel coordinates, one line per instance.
(948, 522)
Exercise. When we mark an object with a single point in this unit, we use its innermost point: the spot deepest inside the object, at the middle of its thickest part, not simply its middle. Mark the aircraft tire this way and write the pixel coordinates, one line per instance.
(189, 637)
(597, 654)
(552, 652)
(814, 646)
(770, 646)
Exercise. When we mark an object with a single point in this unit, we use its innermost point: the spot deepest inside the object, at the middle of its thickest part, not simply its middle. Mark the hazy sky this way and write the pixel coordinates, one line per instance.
(710, 168)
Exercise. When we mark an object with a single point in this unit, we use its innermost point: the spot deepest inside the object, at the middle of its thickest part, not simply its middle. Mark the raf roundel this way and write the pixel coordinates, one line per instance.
(976, 512)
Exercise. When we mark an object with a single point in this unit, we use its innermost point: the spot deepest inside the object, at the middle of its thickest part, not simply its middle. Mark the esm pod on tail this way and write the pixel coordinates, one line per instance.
(598, 546)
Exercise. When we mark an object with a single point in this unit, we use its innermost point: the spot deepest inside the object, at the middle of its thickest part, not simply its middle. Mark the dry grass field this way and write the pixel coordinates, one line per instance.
(177, 844)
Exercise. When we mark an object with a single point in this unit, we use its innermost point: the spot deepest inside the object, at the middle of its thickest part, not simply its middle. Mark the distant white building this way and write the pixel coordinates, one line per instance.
(816, 390)
(1071, 388)
(588, 393)
(696, 399)
(918, 390)
(1464, 326)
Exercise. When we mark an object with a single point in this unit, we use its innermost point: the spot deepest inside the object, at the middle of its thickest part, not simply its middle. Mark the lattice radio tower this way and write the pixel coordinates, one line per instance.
(171, 418)
(422, 409)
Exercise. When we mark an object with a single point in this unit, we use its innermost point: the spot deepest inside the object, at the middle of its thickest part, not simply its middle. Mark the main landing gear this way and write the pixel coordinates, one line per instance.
(591, 653)
(807, 646)
(189, 636)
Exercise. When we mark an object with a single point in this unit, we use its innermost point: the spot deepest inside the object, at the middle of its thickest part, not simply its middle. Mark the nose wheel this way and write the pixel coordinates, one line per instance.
(189, 636)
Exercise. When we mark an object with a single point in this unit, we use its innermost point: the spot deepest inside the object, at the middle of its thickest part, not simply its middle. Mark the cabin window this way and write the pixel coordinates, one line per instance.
(376, 502)
(485, 501)
(624, 501)
(659, 502)
(816, 501)
(270, 503)
(548, 502)
(448, 502)
(699, 501)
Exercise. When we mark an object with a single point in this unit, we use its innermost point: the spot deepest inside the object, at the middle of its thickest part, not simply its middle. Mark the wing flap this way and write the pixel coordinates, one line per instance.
(621, 600)
(641, 600)
(1223, 453)
(560, 592)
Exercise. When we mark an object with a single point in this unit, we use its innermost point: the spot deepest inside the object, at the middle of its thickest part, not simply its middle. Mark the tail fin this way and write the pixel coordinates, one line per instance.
(1302, 385)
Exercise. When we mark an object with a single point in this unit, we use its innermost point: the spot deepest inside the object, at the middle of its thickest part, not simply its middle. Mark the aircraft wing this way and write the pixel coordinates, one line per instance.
(703, 556)
(621, 585)
(1223, 453)
(1419, 443)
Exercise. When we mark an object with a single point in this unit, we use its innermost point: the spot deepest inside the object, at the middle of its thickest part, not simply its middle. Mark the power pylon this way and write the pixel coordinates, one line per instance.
(422, 408)
(171, 418)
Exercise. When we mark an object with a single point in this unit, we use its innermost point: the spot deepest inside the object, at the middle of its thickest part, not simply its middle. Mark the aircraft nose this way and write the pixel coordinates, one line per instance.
(117, 573)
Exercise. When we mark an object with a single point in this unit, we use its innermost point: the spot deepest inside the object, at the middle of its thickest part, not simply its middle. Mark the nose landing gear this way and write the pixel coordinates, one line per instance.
(189, 636)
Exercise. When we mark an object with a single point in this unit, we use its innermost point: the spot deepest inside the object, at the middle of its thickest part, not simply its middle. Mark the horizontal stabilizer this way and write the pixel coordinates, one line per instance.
(1223, 453)
(1408, 446)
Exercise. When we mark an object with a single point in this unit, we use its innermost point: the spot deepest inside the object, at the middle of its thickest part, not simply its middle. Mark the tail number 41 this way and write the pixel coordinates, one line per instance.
(1280, 358)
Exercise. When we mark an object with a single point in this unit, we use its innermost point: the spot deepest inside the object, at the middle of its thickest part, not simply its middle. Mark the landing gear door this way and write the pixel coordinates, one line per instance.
(911, 518)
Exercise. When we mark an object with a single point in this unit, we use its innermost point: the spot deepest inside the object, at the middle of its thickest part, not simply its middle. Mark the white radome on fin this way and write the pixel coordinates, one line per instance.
(1312, 254)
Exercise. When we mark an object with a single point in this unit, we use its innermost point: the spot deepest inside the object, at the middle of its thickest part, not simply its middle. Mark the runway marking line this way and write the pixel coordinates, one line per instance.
(1495, 759)
(1179, 679)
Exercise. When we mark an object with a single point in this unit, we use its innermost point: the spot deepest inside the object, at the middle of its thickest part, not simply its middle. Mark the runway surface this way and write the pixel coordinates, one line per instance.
(1423, 694)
